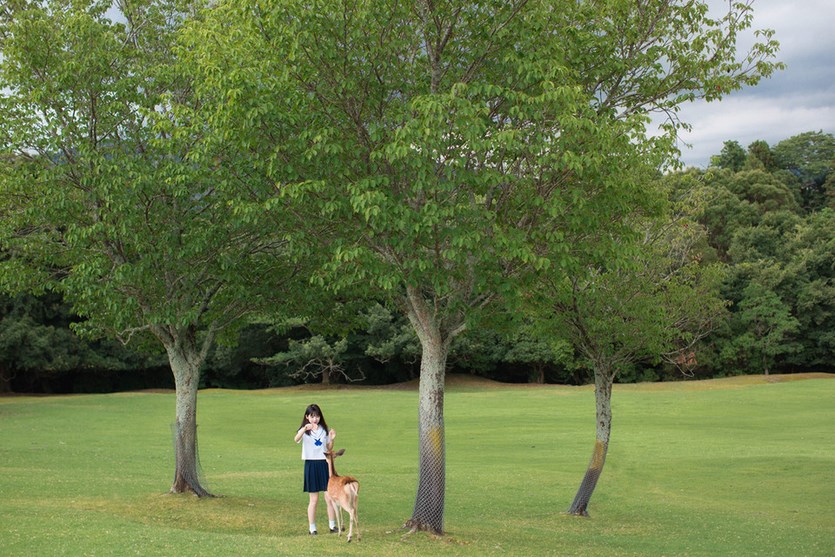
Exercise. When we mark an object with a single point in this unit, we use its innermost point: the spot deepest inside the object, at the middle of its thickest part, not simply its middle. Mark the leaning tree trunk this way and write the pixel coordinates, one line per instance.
(428, 514)
(603, 397)
(186, 360)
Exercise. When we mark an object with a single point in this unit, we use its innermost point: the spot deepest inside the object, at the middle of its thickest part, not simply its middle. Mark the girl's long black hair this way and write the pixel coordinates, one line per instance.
(313, 410)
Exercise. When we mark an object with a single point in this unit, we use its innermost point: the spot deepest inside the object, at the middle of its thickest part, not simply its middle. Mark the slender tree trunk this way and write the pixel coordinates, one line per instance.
(186, 360)
(538, 374)
(428, 514)
(603, 379)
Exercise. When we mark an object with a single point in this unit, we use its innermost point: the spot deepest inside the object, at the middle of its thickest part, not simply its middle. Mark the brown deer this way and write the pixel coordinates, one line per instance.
(344, 492)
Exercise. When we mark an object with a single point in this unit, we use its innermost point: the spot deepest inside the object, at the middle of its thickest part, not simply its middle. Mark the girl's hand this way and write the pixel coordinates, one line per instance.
(308, 427)
(332, 434)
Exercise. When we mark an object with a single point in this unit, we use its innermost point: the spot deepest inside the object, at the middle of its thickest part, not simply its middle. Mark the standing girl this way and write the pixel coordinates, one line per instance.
(316, 439)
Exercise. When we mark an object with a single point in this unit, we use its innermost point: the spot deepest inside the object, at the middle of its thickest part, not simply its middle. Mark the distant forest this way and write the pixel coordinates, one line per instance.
(768, 217)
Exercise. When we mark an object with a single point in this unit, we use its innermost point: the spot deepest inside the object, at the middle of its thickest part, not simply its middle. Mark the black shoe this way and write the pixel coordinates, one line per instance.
(314, 533)
(334, 531)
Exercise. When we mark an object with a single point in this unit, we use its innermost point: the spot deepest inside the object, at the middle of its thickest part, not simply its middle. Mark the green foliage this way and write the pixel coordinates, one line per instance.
(642, 311)
(765, 328)
(809, 286)
(131, 218)
(390, 337)
(539, 358)
(778, 245)
(180, 168)
(314, 357)
(230, 365)
(810, 157)
(731, 158)
(765, 241)
(39, 352)
(129, 214)
(761, 156)
(740, 200)
(448, 158)
(829, 189)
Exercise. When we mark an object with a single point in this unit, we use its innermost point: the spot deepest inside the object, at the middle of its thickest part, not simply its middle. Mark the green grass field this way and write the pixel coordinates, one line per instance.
(740, 466)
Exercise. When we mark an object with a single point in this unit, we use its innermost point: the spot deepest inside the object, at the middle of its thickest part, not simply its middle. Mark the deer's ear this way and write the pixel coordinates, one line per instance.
(340, 452)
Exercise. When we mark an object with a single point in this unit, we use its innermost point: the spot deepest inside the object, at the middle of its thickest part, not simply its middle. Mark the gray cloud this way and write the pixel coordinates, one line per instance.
(798, 99)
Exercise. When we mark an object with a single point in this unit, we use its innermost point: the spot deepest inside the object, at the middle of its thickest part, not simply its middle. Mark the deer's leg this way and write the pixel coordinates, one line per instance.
(356, 515)
(350, 522)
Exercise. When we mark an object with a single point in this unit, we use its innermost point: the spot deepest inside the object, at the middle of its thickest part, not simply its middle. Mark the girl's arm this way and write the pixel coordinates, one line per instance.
(301, 432)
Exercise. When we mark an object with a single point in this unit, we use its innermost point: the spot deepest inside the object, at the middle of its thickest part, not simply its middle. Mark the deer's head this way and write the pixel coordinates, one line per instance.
(333, 454)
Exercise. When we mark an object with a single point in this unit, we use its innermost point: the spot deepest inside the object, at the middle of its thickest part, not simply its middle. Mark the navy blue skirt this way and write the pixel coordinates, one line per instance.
(315, 475)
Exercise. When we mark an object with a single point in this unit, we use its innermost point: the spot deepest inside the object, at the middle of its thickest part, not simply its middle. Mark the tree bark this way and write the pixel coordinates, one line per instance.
(186, 359)
(603, 399)
(428, 514)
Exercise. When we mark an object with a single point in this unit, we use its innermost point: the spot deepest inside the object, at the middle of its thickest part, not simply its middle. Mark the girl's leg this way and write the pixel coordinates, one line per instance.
(311, 509)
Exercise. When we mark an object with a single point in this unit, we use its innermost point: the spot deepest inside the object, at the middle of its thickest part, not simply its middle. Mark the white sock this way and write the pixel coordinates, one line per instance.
(312, 526)
(332, 524)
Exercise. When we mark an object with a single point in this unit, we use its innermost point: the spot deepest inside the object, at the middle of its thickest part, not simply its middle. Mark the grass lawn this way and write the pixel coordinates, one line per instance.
(742, 466)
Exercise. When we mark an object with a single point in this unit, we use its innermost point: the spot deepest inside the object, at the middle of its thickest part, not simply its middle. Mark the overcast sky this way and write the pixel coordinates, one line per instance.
(798, 99)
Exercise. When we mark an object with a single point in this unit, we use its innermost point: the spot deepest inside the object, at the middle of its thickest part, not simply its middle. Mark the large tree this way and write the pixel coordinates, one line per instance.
(765, 329)
(643, 57)
(810, 157)
(108, 198)
(450, 143)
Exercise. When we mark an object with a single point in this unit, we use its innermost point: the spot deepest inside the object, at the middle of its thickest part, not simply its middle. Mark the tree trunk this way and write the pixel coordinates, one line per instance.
(428, 514)
(186, 360)
(603, 398)
(538, 374)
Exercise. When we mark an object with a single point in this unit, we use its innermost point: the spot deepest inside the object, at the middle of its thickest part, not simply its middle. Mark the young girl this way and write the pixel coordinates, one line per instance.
(316, 439)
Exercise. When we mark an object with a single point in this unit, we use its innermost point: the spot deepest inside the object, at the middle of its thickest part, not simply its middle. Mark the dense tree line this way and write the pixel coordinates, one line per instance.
(772, 221)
